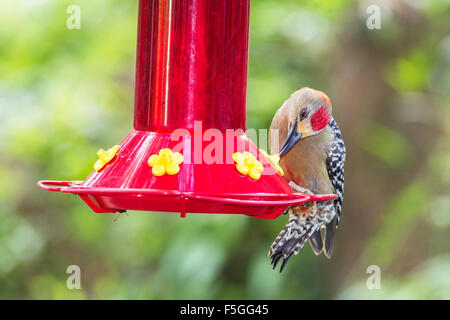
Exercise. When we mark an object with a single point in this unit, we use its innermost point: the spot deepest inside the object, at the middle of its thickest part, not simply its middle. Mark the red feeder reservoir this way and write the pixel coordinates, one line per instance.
(191, 82)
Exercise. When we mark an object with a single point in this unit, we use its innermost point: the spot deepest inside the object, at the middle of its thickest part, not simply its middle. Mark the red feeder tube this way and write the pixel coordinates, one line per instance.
(191, 76)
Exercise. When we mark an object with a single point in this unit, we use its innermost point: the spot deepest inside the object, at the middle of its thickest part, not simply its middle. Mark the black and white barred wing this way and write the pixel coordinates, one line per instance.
(335, 167)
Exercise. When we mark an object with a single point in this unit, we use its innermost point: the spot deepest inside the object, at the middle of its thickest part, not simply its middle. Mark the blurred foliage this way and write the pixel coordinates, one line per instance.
(66, 93)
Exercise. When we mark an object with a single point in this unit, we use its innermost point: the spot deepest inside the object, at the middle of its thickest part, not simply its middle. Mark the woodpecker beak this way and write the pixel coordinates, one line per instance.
(292, 138)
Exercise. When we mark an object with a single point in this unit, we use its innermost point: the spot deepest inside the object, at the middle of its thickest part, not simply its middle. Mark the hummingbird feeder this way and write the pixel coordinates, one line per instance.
(191, 70)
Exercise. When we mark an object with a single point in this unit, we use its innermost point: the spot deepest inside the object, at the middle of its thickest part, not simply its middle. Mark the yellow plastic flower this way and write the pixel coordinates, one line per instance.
(247, 164)
(166, 161)
(105, 157)
(274, 161)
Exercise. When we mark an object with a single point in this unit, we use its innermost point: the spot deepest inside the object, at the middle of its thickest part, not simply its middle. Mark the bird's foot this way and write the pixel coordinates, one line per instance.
(117, 216)
(297, 188)
(309, 208)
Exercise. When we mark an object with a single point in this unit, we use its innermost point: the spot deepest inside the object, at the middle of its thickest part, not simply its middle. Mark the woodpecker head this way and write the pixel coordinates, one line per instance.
(308, 112)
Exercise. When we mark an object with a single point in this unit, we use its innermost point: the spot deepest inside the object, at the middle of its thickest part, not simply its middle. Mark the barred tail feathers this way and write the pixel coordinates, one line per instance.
(292, 238)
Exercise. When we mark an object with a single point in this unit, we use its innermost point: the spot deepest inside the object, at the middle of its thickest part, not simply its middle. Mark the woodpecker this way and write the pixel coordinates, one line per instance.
(312, 156)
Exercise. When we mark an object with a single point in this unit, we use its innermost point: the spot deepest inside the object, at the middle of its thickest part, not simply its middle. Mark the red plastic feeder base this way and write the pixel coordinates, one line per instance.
(127, 182)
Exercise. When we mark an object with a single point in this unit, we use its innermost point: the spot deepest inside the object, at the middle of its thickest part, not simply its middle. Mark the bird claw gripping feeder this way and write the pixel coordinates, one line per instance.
(191, 69)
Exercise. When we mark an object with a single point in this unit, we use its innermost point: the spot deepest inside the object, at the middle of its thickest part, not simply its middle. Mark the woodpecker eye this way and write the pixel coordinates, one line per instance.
(303, 114)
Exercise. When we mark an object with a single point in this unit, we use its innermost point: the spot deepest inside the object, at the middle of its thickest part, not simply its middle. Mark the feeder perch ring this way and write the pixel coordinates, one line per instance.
(236, 203)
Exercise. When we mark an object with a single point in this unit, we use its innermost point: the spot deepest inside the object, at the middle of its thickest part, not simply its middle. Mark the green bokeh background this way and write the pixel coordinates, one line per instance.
(66, 93)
